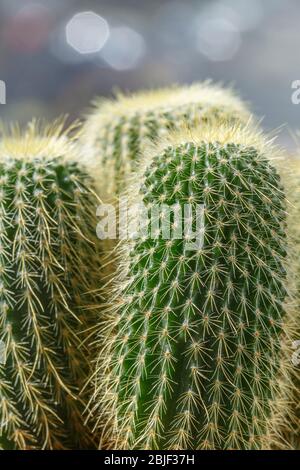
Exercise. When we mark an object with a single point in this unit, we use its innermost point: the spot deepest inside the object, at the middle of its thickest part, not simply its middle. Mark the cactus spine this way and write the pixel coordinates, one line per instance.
(47, 258)
(115, 132)
(195, 351)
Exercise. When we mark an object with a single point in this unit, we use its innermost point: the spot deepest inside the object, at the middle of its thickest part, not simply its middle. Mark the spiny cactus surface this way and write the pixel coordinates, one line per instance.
(46, 260)
(289, 427)
(194, 356)
(116, 132)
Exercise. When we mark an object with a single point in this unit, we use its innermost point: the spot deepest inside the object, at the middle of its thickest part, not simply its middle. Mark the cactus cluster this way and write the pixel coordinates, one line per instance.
(116, 132)
(185, 330)
(46, 253)
(194, 354)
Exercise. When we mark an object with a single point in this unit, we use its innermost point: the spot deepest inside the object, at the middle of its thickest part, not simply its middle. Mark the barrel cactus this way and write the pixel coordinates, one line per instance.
(116, 131)
(194, 357)
(47, 259)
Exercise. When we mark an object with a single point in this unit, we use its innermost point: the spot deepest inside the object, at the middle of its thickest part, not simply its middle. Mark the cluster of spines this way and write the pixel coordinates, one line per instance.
(46, 253)
(195, 354)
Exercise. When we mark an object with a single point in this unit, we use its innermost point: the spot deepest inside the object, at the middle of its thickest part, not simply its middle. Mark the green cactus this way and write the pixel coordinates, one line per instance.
(47, 259)
(194, 357)
(115, 132)
(289, 423)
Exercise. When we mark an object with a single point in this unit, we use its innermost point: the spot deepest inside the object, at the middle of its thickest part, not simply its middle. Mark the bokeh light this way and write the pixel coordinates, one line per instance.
(28, 29)
(124, 49)
(242, 16)
(218, 39)
(87, 32)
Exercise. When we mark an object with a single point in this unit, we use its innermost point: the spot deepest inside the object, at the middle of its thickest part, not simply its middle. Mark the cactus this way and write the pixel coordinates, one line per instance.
(47, 260)
(115, 132)
(289, 423)
(194, 356)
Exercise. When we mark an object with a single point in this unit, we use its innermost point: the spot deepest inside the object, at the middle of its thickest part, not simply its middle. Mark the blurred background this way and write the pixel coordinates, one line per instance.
(55, 56)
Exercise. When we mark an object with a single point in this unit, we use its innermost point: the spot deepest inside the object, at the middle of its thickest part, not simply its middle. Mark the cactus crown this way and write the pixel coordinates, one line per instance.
(171, 98)
(194, 354)
(116, 132)
(46, 253)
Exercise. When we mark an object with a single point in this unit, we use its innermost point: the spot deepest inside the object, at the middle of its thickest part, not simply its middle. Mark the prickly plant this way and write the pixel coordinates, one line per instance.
(47, 261)
(116, 132)
(194, 355)
(289, 424)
